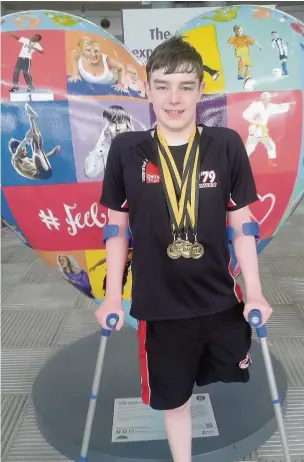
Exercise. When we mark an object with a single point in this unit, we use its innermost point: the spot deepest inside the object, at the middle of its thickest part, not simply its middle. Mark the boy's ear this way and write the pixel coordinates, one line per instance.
(148, 91)
(201, 90)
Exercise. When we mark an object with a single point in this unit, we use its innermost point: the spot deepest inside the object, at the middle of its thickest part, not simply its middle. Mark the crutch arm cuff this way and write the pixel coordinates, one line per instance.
(250, 228)
(110, 231)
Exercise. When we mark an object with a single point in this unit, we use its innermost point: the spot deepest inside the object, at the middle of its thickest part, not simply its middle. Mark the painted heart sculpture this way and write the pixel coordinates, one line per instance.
(64, 99)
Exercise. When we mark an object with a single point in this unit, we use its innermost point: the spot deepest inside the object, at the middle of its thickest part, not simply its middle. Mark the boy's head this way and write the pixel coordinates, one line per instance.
(175, 82)
(118, 119)
(36, 38)
(238, 30)
(13, 146)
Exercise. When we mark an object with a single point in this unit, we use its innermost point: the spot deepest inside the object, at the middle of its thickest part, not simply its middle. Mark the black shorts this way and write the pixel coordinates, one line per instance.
(176, 354)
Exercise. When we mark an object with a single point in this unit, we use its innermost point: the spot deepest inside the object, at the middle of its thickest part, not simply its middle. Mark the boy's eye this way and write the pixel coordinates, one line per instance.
(161, 88)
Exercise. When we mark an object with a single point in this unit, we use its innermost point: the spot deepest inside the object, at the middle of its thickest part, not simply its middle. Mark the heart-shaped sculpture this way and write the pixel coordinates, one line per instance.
(68, 88)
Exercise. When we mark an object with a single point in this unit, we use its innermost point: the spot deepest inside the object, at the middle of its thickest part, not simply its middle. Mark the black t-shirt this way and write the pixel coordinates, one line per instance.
(163, 288)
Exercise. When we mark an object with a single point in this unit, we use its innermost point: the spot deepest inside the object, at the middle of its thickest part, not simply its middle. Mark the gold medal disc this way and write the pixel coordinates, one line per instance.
(178, 245)
(197, 251)
(186, 249)
(172, 253)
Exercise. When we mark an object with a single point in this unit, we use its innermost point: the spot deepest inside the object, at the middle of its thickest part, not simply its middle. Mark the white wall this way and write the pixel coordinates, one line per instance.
(294, 10)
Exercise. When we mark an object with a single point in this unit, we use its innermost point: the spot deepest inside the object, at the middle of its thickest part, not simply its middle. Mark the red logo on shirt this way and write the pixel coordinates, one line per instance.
(152, 174)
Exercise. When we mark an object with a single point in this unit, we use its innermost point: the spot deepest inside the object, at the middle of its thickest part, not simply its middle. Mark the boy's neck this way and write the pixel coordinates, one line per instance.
(178, 137)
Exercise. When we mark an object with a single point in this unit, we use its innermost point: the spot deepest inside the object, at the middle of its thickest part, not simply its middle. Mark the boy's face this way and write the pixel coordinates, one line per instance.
(116, 128)
(174, 98)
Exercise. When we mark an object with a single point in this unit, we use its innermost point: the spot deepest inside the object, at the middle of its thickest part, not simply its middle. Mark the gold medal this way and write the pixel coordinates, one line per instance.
(197, 251)
(172, 253)
(187, 249)
(181, 193)
(178, 245)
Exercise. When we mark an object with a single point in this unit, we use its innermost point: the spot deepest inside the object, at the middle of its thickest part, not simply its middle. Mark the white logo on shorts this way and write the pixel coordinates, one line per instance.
(246, 362)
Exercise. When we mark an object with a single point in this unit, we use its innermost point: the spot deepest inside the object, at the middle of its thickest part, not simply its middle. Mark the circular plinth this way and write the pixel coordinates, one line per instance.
(243, 412)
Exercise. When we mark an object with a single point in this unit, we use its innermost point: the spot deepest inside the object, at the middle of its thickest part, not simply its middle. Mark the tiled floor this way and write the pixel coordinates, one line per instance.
(41, 312)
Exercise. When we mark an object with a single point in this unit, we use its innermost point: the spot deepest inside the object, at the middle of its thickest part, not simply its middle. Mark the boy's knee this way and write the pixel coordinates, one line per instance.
(178, 410)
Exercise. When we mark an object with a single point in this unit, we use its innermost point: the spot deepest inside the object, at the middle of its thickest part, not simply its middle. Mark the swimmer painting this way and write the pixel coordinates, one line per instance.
(89, 64)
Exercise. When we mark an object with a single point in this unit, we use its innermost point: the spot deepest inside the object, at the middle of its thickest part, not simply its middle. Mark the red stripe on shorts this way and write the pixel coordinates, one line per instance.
(143, 363)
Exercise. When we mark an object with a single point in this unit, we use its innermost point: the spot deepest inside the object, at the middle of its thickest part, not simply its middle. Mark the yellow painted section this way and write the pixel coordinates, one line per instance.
(203, 38)
(97, 267)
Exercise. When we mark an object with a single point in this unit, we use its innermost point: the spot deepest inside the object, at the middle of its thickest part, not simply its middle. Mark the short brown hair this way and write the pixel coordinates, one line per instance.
(175, 54)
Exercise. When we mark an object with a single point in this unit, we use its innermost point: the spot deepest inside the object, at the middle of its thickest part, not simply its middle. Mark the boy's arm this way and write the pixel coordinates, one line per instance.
(246, 256)
(117, 243)
(117, 252)
(14, 36)
(53, 151)
(21, 146)
(242, 194)
(99, 263)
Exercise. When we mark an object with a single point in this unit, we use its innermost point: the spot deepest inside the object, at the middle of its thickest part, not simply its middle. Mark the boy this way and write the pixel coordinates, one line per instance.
(115, 120)
(281, 48)
(192, 322)
(36, 167)
(29, 46)
(241, 44)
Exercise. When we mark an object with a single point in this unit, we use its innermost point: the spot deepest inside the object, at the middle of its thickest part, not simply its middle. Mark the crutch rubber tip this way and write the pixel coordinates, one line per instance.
(82, 459)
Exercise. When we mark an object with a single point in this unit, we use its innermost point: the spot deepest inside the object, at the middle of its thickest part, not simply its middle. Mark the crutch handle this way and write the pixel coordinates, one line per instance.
(111, 321)
(255, 320)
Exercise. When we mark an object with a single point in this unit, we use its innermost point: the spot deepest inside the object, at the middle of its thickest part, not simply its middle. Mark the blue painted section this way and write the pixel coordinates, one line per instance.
(263, 62)
(53, 123)
(10, 220)
(47, 19)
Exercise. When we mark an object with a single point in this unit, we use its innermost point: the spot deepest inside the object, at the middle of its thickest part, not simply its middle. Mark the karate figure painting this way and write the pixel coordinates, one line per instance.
(69, 88)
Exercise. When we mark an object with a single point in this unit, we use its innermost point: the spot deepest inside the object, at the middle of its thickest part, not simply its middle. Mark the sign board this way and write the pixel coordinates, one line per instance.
(144, 29)
(134, 421)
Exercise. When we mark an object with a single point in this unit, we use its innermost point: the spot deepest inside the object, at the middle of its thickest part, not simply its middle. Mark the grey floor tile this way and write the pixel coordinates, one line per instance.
(31, 329)
(13, 411)
(41, 296)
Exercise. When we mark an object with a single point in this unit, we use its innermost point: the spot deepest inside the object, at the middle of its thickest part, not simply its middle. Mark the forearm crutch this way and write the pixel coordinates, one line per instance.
(111, 322)
(255, 320)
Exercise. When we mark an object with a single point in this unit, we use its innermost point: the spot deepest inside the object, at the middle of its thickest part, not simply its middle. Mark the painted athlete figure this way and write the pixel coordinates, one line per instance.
(29, 46)
(241, 44)
(281, 48)
(257, 115)
(192, 320)
(36, 167)
(115, 120)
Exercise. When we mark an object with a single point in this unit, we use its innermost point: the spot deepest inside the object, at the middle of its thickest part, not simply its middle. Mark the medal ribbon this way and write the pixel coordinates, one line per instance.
(186, 208)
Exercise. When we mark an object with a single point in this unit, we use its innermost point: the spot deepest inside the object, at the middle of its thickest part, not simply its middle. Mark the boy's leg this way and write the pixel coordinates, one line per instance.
(38, 155)
(32, 115)
(252, 140)
(240, 68)
(178, 427)
(212, 72)
(169, 354)
(16, 74)
(26, 73)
